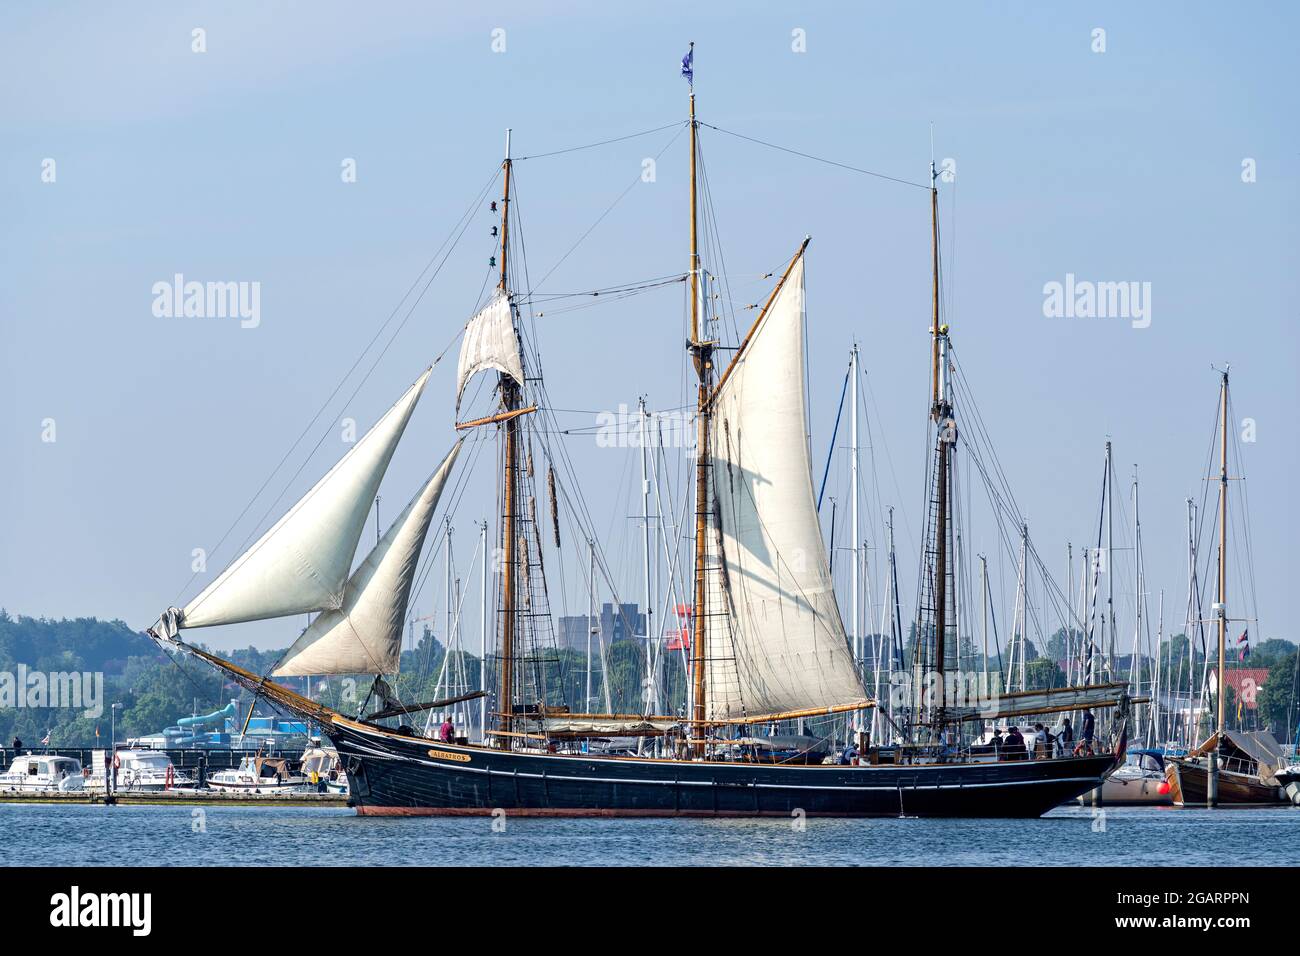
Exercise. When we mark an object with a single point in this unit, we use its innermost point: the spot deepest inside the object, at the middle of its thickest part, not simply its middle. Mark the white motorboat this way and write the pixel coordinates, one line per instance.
(43, 773)
(260, 775)
(141, 770)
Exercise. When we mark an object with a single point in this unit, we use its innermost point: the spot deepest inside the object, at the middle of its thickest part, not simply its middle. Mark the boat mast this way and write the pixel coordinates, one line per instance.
(853, 485)
(510, 398)
(940, 410)
(1134, 668)
(651, 659)
(483, 632)
(1111, 666)
(896, 613)
(1221, 607)
(591, 613)
(702, 358)
(984, 619)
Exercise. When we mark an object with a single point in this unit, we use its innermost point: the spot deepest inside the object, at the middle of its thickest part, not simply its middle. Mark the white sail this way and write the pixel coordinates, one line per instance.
(783, 647)
(302, 563)
(364, 636)
(490, 342)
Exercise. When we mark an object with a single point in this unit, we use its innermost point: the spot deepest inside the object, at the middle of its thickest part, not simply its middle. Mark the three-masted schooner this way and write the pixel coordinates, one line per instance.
(767, 642)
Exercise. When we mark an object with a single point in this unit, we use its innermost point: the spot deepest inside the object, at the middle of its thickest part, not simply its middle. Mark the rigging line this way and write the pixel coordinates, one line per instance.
(604, 142)
(595, 301)
(452, 237)
(835, 431)
(543, 297)
(602, 216)
(819, 159)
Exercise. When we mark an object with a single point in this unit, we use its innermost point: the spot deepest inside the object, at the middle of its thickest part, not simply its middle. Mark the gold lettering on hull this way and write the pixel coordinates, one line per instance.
(448, 755)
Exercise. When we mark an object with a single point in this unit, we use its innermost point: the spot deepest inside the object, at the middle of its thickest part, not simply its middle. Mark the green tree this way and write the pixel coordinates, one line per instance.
(1279, 697)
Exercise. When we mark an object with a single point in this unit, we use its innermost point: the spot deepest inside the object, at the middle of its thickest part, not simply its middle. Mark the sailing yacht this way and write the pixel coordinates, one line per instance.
(767, 644)
(1231, 766)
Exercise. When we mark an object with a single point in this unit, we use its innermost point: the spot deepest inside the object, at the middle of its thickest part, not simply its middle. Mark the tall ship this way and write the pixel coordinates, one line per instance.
(764, 643)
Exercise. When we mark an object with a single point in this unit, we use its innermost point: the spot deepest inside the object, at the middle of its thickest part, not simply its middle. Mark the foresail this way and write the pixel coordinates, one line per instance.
(489, 342)
(364, 636)
(784, 648)
(302, 563)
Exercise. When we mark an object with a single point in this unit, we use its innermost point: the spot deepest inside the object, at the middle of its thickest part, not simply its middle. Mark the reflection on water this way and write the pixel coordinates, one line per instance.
(297, 836)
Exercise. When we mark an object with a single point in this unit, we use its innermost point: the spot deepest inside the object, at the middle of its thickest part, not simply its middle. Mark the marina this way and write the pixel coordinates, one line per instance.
(495, 444)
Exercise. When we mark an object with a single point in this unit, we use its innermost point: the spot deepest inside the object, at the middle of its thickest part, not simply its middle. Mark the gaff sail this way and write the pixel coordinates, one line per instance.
(364, 636)
(301, 564)
(784, 647)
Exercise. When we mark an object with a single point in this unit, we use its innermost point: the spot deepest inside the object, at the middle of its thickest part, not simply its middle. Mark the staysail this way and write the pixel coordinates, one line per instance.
(784, 647)
(490, 342)
(302, 563)
(364, 636)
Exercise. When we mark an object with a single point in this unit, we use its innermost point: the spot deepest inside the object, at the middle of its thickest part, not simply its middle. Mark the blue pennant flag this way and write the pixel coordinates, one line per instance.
(688, 63)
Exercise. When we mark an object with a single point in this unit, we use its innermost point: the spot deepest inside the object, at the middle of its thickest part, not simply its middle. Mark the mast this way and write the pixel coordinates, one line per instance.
(853, 485)
(1110, 568)
(591, 613)
(984, 617)
(1221, 607)
(896, 615)
(702, 358)
(509, 536)
(940, 411)
(651, 675)
(1134, 670)
(451, 612)
(483, 630)
(1024, 601)
(1193, 612)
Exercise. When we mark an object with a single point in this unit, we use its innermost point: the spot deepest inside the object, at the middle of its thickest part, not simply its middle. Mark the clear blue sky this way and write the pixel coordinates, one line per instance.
(1115, 166)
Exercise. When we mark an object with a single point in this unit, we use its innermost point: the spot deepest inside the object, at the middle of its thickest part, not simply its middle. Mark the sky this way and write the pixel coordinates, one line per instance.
(1161, 151)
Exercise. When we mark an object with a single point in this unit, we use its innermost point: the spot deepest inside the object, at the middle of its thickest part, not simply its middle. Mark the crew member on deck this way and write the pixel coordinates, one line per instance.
(447, 732)
(1013, 744)
(1089, 729)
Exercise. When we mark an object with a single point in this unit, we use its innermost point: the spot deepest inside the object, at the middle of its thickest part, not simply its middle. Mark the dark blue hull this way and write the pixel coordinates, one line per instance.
(394, 775)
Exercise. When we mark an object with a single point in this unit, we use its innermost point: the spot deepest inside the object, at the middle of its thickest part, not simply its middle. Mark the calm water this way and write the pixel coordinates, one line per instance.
(292, 836)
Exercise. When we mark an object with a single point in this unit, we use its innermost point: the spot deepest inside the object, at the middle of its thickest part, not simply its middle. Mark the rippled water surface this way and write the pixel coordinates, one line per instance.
(298, 836)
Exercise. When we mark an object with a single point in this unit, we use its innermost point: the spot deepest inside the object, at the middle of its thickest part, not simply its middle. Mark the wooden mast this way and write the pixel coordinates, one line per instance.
(510, 395)
(702, 358)
(1222, 606)
(940, 410)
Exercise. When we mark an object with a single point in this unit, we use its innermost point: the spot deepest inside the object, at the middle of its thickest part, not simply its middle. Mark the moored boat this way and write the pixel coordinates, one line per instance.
(259, 775)
(43, 773)
(1247, 770)
(1139, 781)
(140, 769)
